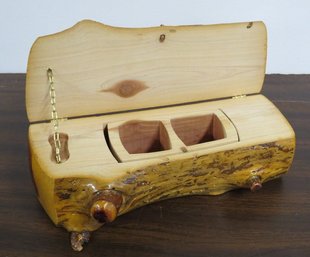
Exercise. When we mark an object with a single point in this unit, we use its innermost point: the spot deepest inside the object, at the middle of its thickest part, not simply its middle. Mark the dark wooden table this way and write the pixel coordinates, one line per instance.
(272, 222)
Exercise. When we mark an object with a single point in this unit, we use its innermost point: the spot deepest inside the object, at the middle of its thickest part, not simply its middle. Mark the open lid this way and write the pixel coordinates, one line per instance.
(100, 69)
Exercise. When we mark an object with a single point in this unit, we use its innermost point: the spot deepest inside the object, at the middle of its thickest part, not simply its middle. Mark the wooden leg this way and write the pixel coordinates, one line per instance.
(78, 239)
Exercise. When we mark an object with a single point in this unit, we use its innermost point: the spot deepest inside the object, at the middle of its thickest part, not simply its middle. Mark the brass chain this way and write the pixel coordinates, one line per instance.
(54, 115)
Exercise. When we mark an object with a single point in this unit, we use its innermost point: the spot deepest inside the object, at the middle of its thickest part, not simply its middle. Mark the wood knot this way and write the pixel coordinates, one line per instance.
(126, 88)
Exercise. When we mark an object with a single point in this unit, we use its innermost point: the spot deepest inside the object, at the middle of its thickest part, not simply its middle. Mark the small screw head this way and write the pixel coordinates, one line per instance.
(250, 24)
(162, 38)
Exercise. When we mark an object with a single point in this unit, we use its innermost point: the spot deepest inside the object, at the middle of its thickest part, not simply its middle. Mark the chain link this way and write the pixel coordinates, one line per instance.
(55, 120)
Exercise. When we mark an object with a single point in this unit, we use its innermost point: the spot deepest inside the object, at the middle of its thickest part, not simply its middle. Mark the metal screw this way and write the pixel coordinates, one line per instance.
(162, 38)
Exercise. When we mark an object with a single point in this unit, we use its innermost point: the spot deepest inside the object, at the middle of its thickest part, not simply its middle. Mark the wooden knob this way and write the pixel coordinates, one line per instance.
(103, 211)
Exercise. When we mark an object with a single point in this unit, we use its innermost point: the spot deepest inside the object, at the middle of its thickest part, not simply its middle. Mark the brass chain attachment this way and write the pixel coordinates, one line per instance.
(54, 120)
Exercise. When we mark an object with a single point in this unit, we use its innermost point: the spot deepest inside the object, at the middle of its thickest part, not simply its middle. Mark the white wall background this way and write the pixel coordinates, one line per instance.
(288, 23)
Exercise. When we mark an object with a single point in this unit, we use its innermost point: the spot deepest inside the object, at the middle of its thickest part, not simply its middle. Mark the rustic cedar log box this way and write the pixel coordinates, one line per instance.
(145, 114)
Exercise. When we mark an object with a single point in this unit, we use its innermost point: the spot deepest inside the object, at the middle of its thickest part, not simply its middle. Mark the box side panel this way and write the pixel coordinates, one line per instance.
(44, 187)
(209, 174)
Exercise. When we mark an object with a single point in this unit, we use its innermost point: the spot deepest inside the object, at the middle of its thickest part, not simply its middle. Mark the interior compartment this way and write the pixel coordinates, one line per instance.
(198, 129)
(144, 136)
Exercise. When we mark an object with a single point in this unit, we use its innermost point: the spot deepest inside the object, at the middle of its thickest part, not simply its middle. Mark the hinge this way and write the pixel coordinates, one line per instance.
(61, 119)
(238, 96)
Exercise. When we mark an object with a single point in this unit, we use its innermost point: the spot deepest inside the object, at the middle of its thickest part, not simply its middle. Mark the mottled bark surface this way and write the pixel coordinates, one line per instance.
(210, 174)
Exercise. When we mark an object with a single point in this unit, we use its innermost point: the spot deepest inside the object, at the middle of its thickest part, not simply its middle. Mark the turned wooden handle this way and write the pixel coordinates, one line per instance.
(105, 205)
(103, 211)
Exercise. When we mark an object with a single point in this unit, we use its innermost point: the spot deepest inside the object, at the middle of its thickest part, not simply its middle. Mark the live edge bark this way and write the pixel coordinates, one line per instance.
(210, 174)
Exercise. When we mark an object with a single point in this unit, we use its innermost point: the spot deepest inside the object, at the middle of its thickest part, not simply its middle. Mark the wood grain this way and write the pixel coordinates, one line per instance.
(124, 68)
(272, 222)
(259, 123)
(212, 174)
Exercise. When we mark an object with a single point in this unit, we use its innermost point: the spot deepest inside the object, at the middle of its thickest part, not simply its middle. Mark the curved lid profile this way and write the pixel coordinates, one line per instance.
(101, 69)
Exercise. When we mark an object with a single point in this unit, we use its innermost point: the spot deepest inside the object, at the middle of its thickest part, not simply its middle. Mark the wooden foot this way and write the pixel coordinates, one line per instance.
(78, 239)
(256, 183)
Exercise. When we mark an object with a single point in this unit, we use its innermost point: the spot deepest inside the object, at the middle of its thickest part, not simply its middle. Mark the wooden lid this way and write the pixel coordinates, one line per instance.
(100, 69)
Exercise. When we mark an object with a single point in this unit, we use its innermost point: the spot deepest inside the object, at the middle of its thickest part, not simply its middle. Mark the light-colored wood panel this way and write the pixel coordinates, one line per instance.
(100, 69)
(89, 151)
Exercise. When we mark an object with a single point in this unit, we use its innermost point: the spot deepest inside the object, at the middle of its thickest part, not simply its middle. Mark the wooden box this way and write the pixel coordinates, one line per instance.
(124, 117)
